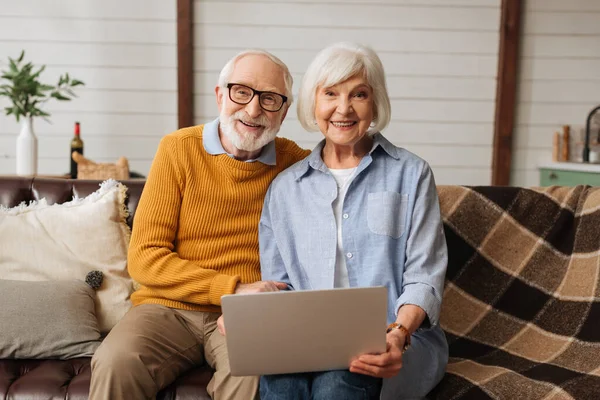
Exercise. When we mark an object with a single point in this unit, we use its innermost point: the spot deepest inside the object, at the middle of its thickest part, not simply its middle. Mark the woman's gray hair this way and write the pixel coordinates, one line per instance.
(334, 65)
(287, 77)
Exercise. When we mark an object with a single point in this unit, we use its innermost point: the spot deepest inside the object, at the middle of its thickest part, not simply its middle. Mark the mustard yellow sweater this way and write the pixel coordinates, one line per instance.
(195, 231)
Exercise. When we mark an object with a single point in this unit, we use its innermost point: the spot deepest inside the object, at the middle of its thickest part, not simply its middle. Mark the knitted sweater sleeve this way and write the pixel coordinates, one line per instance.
(151, 259)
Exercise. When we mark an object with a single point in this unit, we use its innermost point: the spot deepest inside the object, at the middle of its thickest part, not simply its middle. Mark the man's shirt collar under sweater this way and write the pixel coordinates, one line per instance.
(212, 145)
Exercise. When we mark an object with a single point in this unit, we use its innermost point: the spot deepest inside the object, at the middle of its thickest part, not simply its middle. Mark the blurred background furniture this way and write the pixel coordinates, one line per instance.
(569, 174)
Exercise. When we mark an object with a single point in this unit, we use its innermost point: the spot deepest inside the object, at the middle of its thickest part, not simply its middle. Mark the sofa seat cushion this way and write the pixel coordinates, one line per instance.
(45, 379)
(521, 307)
(70, 379)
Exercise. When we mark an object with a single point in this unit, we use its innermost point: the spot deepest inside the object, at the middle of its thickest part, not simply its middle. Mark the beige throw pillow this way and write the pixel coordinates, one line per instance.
(41, 242)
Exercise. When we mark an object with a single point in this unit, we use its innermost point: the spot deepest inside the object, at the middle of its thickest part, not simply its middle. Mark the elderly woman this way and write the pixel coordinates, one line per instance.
(359, 211)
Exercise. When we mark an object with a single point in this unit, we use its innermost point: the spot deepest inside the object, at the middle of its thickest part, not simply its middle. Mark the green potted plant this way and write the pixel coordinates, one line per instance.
(27, 95)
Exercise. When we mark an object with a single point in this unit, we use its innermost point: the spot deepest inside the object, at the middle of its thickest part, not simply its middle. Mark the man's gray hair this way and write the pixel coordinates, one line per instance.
(287, 77)
(334, 65)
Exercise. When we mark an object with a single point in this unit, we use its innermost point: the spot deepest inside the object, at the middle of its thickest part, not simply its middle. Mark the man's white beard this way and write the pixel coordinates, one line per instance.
(247, 141)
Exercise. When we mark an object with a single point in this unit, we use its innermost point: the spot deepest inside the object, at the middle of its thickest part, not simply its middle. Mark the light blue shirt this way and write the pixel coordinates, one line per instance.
(212, 145)
(391, 228)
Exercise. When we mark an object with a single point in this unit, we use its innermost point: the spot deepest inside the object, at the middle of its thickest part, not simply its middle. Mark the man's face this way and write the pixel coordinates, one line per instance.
(249, 127)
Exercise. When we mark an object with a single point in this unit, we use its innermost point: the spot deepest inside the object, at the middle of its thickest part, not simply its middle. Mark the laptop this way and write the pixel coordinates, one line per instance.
(303, 331)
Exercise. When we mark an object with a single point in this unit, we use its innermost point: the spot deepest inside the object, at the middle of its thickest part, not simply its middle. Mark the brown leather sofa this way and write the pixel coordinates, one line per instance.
(480, 366)
(70, 379)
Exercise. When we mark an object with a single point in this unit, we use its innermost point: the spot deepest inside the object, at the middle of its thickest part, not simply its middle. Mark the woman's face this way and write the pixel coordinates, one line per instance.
(344, 111)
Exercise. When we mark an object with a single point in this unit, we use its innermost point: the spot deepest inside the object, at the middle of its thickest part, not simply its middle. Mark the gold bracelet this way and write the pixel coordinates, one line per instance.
(401, 328)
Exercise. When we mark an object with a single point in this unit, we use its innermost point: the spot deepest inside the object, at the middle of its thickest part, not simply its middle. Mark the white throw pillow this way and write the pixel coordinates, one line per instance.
(41, 242)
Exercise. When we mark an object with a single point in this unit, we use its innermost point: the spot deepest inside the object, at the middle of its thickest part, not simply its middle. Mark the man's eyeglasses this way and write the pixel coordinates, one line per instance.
(242, 94)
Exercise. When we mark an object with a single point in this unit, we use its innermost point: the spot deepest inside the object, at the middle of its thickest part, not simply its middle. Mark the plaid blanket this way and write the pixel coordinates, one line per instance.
(521, 307)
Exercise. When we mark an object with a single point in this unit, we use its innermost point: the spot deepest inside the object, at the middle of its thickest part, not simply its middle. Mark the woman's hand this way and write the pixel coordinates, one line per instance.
(384, 365)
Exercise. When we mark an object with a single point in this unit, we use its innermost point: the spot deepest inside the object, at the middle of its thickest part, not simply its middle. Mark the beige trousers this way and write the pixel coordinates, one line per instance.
(152, 345)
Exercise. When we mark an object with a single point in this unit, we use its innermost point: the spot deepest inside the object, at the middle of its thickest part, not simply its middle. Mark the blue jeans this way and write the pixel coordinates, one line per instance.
(326, 385)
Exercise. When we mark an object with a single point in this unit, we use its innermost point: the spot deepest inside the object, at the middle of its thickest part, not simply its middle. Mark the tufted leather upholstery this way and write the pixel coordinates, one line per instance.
(70, 379)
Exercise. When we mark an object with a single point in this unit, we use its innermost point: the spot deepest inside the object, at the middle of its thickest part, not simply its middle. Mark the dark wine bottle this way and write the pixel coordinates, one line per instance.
(76, 145)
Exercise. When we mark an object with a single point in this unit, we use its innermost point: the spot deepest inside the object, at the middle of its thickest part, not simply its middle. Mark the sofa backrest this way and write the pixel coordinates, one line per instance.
(15, 190)
(523, 274)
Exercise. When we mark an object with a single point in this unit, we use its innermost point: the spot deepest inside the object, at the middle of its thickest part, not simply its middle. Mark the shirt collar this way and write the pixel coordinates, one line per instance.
(315, 161)
(213, 146)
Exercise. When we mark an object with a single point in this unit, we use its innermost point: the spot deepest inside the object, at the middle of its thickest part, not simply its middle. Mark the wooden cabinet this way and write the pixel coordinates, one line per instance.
(570, 174)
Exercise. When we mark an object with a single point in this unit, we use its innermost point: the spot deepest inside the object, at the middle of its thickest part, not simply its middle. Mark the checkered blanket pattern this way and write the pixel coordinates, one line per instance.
(521, 306)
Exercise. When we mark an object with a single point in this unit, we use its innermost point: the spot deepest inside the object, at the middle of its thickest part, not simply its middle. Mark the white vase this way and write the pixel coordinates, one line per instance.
(27, 149)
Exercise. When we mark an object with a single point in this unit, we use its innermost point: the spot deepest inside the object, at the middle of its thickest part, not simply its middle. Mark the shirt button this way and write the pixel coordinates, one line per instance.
(349, 255)
(345, 216)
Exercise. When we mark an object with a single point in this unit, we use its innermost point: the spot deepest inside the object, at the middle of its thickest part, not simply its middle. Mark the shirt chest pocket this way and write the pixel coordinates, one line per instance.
(386, 213)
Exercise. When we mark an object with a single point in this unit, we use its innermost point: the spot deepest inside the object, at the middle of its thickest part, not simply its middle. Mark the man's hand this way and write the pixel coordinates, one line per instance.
(259, 287)
(256, 287)
(384, 365)
(221, 325)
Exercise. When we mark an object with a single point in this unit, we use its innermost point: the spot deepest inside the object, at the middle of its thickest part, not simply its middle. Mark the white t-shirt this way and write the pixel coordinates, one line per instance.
(343, 177)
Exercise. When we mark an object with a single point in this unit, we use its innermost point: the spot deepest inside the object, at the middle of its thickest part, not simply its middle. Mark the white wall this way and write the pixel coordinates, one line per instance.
(440, 57)
(559, 79)
(124, 50)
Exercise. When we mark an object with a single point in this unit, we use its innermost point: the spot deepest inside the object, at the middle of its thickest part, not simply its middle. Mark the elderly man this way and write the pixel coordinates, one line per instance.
(195, 237)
